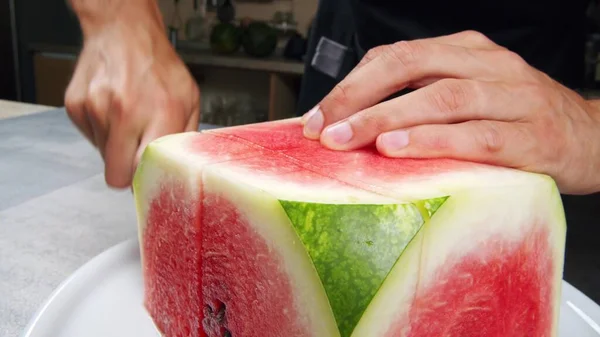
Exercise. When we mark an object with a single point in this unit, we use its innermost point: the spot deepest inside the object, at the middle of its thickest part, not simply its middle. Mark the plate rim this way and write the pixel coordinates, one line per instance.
(132, 245)
(79, 272)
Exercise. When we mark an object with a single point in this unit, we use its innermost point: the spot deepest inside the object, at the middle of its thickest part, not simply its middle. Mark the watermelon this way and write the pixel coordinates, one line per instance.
(225, 38)
(254, 230)
(259, 39)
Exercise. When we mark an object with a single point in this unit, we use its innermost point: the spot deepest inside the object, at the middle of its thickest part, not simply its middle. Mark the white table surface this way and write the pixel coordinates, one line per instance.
(56, 212)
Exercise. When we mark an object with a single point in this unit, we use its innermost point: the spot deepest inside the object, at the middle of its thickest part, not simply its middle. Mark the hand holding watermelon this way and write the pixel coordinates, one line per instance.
(474, 100)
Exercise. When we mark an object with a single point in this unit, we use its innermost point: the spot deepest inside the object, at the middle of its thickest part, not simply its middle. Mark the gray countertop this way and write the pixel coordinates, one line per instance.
(56, 212)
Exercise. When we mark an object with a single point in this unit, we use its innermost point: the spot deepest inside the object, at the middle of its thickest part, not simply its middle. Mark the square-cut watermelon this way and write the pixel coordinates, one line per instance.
(256, 231)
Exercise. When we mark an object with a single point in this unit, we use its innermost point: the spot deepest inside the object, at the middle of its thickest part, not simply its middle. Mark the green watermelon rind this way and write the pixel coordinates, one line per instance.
(389, 225)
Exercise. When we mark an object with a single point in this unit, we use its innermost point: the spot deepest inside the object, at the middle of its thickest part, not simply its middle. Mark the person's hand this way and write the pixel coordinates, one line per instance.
(474, 100)
(129, 88)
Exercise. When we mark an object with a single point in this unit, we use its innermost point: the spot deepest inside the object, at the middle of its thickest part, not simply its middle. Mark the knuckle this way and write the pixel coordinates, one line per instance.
(73, 99)
(92, 112)
(405, 52)
(478, 37)
(449, 95)
(514, 60)
(490, 137)
(119, 107)
(339, 96)
(72, 103)
(374, 53)
(373, 120)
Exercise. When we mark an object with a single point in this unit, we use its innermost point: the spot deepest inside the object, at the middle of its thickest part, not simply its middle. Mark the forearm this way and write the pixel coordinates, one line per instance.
(97, 14)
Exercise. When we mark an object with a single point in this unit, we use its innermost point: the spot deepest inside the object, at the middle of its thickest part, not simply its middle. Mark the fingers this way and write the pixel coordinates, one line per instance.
(98, 106)
(490, 142)
(400, 65)
(159, 127)
(192, 124)
(446, 101)
(466, 39)
(77, 113)
(122, 143)
(75, 97)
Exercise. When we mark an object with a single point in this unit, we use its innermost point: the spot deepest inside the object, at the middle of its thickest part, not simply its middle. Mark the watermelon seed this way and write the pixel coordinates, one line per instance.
(227, 333)
(221, 313)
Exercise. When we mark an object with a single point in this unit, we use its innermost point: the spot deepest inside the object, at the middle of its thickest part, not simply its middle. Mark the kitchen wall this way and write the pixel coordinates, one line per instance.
(304, 10)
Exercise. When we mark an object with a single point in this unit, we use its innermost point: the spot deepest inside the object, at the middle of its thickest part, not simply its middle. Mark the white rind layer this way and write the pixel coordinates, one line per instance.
(268, 219)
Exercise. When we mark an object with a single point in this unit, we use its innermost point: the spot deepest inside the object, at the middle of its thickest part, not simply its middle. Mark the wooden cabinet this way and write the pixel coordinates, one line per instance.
(53, 73)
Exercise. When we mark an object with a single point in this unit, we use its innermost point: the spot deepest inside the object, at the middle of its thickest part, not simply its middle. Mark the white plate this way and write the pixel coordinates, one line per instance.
(104, 299)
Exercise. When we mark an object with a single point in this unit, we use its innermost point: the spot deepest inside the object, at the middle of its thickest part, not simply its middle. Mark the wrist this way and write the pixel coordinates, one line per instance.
(97, 15)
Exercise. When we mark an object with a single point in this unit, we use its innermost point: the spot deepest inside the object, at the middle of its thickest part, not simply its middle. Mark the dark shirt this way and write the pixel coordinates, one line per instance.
(549, 34)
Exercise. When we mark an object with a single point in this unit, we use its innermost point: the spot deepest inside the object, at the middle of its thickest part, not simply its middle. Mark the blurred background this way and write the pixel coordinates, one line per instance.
(242, 81)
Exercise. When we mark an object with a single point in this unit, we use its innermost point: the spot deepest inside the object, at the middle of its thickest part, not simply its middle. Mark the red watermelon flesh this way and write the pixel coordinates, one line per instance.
(250, 296)
(256, 231)
(173, 314)
(459, 302)
(365, 168)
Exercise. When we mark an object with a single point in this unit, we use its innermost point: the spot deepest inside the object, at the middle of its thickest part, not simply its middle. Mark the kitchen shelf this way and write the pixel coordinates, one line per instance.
(205, 57)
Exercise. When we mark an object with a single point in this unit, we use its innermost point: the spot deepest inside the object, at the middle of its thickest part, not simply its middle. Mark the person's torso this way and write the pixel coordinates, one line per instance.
(549, 34)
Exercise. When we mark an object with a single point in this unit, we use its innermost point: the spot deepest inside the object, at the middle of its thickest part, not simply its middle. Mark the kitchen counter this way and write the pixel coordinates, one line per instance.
(13, 109)
(56, 211)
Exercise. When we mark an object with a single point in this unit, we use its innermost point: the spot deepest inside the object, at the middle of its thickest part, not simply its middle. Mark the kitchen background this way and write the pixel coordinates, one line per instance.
(40, 39)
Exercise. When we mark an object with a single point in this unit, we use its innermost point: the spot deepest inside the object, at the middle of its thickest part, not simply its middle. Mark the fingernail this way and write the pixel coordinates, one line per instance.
(394, 140)
(307, 115)
(314, 124)
(339, 134)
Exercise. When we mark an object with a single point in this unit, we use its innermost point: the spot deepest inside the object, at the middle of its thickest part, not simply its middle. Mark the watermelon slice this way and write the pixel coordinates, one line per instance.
(256, 231)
